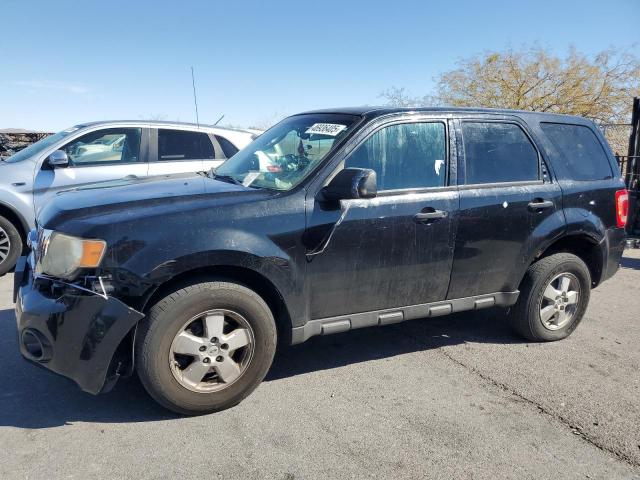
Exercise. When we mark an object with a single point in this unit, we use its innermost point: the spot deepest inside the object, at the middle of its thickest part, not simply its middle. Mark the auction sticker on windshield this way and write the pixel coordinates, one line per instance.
(332, 129)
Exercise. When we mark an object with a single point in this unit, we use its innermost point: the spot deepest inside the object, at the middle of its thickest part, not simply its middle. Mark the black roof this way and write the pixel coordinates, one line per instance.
(373, 112)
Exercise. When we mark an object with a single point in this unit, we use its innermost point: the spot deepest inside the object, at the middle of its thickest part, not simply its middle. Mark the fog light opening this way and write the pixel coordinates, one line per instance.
(33, 345)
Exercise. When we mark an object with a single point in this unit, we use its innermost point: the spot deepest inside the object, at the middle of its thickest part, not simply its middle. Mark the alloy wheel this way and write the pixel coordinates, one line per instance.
(5, 245)
(211, 351)
(559, 301)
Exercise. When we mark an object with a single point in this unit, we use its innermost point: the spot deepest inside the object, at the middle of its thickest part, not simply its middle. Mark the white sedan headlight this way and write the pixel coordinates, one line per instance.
(63, 255)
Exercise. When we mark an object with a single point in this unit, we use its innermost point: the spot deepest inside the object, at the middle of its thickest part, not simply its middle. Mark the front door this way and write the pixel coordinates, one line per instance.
(179, 151)
(393, 250)
(97, 156)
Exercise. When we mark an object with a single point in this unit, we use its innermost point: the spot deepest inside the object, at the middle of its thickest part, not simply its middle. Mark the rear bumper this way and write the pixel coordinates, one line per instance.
(73, 333)
(615, 240)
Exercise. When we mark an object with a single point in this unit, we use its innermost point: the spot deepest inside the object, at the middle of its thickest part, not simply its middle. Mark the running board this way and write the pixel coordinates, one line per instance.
(343, 323)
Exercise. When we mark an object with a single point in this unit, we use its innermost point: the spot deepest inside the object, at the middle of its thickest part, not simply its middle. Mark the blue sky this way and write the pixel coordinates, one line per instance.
(67, 62)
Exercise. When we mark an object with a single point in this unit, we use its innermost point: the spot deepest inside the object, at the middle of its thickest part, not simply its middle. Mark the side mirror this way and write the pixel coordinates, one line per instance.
(58, 159)
(352, 183)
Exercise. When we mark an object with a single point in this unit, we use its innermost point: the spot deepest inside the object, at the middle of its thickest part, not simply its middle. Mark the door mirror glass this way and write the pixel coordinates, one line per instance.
(58, 159)
(352, 183)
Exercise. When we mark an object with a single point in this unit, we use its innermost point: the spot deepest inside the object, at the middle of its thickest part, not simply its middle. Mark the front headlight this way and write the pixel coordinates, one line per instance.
(64, 255)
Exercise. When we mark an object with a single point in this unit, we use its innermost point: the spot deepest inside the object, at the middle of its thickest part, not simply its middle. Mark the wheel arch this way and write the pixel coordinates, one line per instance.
(585, 247)
(251, 279)
(11, 213)
(123, 360)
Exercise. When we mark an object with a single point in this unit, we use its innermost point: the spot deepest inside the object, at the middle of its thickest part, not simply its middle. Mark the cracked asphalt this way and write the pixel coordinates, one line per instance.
(454, 397)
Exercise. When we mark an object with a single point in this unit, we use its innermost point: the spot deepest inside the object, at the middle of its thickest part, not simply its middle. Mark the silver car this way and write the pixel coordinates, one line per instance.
(101, 151)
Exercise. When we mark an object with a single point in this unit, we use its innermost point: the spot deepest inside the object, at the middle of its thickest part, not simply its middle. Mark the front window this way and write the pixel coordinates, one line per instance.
(287, 153)
(406, 155)
(110, 145)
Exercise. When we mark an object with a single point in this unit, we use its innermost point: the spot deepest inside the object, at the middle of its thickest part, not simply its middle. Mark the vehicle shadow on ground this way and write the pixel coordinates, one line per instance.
(334, 351)
(31, 397)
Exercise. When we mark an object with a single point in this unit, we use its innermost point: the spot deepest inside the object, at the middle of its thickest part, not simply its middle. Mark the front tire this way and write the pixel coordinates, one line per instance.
(554, 295)
(10, 245)
(205, 347)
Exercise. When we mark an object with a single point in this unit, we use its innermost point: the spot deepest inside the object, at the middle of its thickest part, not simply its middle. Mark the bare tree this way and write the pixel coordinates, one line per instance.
(267, 121)
(154, 117)
(599, 87)
(400, 97)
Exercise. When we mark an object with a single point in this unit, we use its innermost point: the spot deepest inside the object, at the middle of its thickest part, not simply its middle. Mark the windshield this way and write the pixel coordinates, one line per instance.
(284, 155)
(39, 146)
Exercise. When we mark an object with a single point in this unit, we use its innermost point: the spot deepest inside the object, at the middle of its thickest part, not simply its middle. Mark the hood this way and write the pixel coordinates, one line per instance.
(152, 195)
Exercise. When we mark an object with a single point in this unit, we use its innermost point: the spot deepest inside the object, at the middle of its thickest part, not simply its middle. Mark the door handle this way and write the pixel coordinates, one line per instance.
(429, 215)
(539, 204)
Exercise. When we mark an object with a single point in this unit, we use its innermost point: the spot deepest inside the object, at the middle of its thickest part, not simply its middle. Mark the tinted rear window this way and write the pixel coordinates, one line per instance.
(498, 152)
(183, 145)
(581, 153)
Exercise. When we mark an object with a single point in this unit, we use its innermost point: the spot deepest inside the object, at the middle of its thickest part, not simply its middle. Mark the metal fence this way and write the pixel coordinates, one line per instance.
(627, 165)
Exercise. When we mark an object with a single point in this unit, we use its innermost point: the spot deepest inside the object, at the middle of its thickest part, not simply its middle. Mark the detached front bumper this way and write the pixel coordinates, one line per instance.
(74, 333)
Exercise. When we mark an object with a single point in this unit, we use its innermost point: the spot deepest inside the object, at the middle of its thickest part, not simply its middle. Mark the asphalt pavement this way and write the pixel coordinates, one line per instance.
(453, 397)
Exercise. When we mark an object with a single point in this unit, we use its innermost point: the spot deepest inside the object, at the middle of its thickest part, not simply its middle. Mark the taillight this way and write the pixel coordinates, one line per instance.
(622, 208)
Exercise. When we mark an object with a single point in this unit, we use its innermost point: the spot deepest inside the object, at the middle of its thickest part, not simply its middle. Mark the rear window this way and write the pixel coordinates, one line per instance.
(182, 145)
(228, 148)
(583, 156)
(498, 152)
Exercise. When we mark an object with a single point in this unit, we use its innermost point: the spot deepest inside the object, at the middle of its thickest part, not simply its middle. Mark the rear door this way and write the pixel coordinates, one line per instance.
(97, 156)
(508, 206)
(179, 151)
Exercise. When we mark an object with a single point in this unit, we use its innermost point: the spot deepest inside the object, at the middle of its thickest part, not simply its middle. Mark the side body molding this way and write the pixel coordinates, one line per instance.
(342, 323)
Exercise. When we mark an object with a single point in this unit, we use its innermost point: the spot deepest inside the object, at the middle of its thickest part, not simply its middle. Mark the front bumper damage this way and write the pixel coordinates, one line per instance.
(71, 331)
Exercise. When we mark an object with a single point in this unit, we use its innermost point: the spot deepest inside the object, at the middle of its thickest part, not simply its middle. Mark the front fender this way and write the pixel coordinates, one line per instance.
(139, 267)
(19, 206)
(280, 271)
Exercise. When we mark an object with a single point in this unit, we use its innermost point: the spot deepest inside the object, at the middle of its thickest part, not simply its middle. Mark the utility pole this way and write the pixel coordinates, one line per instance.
(632, 175)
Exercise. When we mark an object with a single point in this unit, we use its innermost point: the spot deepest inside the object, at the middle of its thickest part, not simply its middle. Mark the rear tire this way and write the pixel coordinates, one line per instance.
(185, 322)
(10, 245)
(546, 310)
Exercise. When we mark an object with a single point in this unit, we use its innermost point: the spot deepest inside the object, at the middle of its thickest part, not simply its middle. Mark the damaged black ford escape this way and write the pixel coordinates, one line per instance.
(330, 221)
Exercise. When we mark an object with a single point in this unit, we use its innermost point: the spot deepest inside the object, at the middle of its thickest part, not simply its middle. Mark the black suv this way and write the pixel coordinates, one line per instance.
(331, 220)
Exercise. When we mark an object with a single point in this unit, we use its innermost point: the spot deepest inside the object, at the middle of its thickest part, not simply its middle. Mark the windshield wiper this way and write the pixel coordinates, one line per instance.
(223, 178)
(230, 179)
